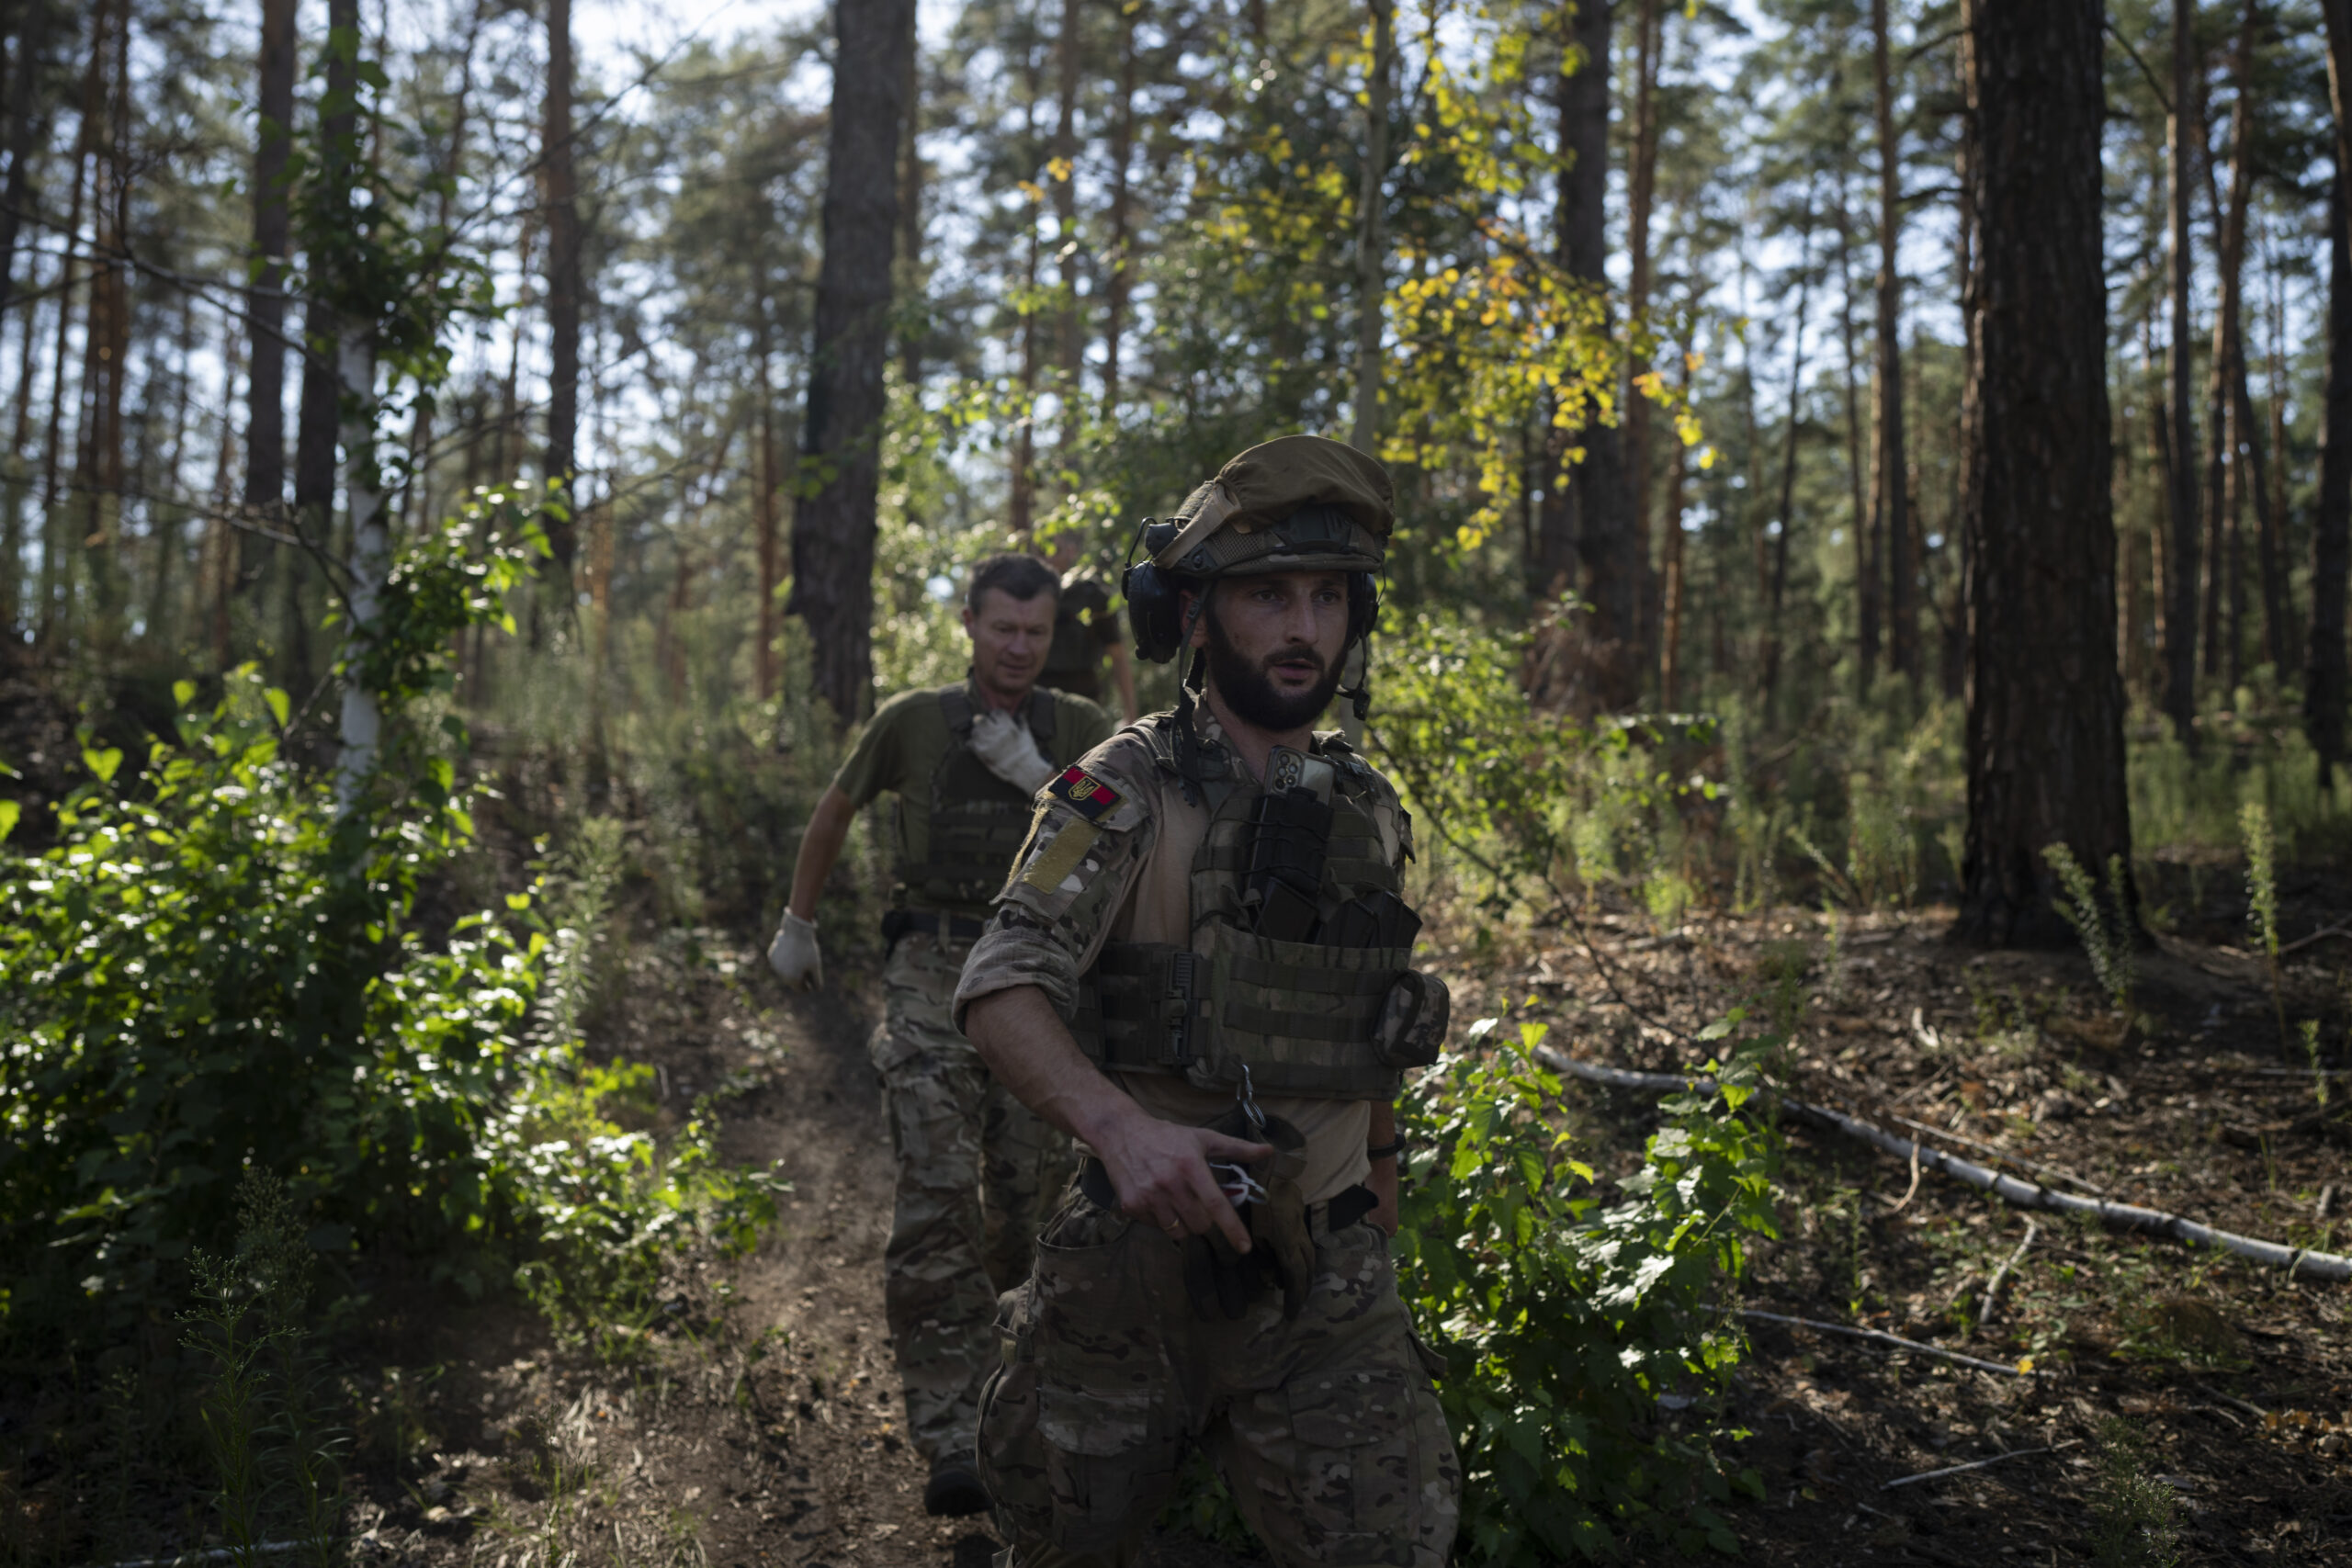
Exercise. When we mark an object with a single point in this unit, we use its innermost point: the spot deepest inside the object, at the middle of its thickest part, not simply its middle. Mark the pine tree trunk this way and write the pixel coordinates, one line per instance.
(1672, 568)
(265, 297)
(2325, 681)
(1069, 329)
(563, 280)
(1118, 266)
(764, 511)
(2180, 558)
(362, 727)
(1019, 488)
(320, 415)
(1785, 512)
(1586, 522)
(1372, 242)
(2045, 703)
(1641, 192)
(909, 258)
(1889, 467)
(1866, 553)
(832, 530)
(24, 96)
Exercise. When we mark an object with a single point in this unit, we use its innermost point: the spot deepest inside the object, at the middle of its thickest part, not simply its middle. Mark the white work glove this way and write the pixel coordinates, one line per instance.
(794, 956)
(1004, 744)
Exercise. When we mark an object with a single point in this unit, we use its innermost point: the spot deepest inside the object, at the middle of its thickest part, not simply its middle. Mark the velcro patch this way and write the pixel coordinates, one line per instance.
(1049, 865)
(1084, 794)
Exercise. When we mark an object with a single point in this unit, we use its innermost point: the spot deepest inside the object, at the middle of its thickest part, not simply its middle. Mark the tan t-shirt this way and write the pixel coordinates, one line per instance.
(1130, 883)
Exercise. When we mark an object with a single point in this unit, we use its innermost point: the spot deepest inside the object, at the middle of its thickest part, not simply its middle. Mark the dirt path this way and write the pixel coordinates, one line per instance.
(759, 1421)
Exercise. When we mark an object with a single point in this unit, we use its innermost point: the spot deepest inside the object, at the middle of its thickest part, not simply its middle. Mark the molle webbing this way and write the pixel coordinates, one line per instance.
(978, 822)
(1299, 1014)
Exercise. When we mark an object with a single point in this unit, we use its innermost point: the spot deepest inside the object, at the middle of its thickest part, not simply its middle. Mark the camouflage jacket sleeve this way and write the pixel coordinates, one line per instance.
(1095, 826)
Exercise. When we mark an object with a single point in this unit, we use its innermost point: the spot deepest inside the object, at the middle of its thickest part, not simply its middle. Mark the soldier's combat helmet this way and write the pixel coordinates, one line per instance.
(1296, 503)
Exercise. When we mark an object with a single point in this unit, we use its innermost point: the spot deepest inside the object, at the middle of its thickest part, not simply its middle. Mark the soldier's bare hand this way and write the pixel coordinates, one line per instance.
(1161, 1171)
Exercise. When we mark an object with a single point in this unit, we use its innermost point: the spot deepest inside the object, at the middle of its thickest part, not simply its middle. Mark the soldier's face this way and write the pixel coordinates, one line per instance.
(1274, 645)
(1009, 640)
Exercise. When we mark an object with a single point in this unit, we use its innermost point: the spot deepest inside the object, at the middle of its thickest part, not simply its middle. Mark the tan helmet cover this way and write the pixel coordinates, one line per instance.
(1294, 504)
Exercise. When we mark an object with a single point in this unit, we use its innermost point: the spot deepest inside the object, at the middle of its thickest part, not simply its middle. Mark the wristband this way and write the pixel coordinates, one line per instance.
(1389, 1150)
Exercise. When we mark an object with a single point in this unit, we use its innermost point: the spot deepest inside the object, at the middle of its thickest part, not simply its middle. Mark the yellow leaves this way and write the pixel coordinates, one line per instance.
(1033, 194)
(1060, 170)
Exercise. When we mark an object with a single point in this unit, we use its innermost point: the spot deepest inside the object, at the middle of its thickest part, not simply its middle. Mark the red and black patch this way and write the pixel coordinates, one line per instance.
(1084, 794)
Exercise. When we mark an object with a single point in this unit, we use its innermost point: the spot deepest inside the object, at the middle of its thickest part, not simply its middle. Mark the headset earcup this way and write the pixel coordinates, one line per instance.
(1154, 607)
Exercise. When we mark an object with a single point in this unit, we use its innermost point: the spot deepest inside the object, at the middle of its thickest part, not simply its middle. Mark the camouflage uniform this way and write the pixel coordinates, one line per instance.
(977, 1169)
(1325, 1426)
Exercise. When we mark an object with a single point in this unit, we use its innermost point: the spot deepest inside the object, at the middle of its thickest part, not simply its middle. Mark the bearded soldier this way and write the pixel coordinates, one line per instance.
(976, 1169)
(1201, 970)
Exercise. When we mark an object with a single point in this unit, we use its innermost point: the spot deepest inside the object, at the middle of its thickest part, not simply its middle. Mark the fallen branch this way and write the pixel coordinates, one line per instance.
(2003, 1154)
(1977, 1464)
(2295, 1260)
(1895, 1339)
(2255, 1411)
(2322, 934)
(1993, 1290)
(218, 1554)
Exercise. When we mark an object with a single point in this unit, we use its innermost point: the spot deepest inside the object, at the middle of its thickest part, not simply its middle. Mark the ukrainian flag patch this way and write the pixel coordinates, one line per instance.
(1084, 794)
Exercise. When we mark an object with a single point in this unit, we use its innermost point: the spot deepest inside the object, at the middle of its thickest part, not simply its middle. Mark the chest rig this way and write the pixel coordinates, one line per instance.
(978, 822)
(1299, 968)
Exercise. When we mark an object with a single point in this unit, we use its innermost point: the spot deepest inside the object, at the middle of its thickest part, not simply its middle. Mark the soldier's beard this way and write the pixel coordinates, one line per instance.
(1248, 690)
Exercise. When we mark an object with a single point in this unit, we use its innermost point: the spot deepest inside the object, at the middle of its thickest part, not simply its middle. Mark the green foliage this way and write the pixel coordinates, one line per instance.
(1586, 1355)
(2319, 1072)
(212, 971)
(2262, 899)
(2109, 931)
(276, 1454)
(1532, 800)
(2135, 1515)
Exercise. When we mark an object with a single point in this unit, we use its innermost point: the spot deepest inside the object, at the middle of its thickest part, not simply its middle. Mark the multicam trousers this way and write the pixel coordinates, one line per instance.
(977, 1173)
(1324, 1428)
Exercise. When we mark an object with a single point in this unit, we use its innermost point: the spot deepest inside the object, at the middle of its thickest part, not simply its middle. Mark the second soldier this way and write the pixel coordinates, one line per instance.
(975, 1167)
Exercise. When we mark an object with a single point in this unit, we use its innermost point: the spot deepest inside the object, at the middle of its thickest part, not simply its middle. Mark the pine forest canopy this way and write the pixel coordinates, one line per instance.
(1772, 359)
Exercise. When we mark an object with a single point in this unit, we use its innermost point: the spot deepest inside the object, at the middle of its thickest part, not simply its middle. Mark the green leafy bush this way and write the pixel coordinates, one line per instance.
(213, 970)
(1586, 1355)
(1528, 801)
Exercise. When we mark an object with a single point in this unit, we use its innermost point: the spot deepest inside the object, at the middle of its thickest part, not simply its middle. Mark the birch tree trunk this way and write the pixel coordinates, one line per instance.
(833, 523)
(2045, 703)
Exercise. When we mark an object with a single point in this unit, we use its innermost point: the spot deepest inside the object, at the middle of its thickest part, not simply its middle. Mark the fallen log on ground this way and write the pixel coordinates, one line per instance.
(2294, 1260)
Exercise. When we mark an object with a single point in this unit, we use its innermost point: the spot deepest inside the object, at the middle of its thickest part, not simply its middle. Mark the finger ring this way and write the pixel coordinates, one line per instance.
(1174, 1227)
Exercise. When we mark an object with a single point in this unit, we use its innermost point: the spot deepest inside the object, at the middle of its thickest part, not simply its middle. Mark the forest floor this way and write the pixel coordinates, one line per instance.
(751, 1415)
(757, 1419)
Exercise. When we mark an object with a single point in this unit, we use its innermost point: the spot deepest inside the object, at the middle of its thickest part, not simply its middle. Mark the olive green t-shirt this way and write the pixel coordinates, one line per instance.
(907, 737)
